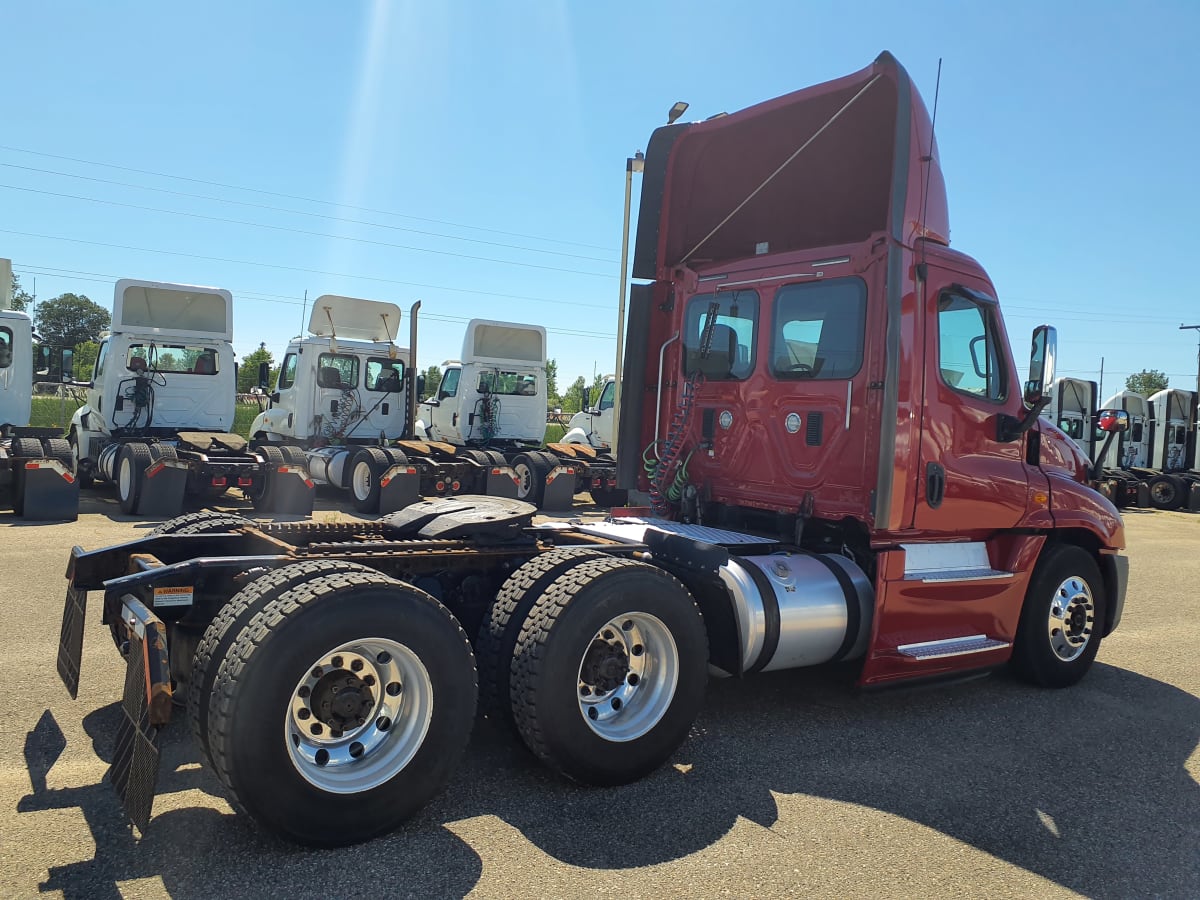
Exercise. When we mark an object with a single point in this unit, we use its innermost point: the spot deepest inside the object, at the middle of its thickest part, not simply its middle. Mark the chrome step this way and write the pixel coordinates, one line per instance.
(959, 646)
(956, 561)
(939, 575)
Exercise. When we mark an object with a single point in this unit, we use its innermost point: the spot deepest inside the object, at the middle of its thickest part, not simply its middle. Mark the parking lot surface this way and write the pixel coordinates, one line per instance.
(791, 784)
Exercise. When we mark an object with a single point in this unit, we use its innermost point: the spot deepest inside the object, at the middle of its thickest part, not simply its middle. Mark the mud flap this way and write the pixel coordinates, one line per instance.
(162, 493)
(502, 481)
(145, 706)
(70, 639)
(1194, 497)
(560, 489)
(399, 487)
(50, 492)
(291, 492)
(1143, 495)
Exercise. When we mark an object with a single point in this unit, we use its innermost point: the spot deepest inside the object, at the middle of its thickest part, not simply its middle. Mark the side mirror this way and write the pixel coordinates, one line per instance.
(587, 399)
(432, 401)
(264, 375)
(67, 364)
(1041, 364)
(420, 384)
(274, 397)
(1112, 420)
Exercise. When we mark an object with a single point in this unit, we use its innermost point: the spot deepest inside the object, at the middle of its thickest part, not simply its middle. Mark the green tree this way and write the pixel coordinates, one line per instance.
(248, 370)
(21, 298)
(70, 319)
(572, 401)
(1146, 382)
(433, 380)
(85, 360)
(553, 399)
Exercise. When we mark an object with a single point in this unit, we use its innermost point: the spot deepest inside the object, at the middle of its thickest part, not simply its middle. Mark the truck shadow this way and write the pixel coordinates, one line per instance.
(1087, 788)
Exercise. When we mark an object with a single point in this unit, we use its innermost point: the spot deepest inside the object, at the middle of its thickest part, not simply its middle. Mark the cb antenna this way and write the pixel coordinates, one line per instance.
(928, 159)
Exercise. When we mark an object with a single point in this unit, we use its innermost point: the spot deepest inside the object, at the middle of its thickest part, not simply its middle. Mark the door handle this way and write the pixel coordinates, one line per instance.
(935, 485)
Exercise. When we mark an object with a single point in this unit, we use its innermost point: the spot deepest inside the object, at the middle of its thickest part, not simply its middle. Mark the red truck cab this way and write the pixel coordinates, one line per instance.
(819, 365)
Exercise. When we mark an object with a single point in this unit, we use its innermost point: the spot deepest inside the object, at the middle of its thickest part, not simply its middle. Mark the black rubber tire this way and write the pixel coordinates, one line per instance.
(1166, 491)
(162, 451)
(261, 669)
(261, 492)
(204, 522)
(27, 448)
(82, 474)
(1033, 659)
(545, 672)
(395, 455)
(531, 472)
(60, 449)
(221, 632)
(496, 457)
(137, 456)
(375, 462)
(500, 630)
(478, 457)
(294, 456)
(607, 498)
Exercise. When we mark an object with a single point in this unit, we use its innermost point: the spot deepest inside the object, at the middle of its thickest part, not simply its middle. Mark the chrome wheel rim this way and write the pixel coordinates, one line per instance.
(362, 481)
(1072, 615)
(627, 677)
(359, 715)
(525, 479)
(125, 478)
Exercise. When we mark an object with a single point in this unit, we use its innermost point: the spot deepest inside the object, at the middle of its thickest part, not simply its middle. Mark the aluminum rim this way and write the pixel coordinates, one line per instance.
(525, 476)
(359, 715)
(1072, 614)
(627, 677)
(125, 478)
(362, 480)
(1163, 491)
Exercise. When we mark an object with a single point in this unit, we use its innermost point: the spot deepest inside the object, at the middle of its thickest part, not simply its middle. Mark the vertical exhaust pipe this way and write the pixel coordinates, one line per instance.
(410, 426)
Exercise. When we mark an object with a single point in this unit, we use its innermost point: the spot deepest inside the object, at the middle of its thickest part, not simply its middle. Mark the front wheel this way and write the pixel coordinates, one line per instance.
(1062, 619)
(342, 707)
(609, 671)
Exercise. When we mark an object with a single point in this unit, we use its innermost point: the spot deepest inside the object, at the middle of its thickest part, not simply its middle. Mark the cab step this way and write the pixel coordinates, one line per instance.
(933, 563)
(959, 646)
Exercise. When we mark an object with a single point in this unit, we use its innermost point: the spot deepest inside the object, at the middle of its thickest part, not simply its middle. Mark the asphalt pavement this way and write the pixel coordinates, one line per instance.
(791, 784)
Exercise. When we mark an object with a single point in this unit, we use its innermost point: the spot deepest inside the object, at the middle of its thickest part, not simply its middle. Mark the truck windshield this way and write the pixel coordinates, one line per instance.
(178, 358)
(510, 383)
(818, 329)
(733, 317)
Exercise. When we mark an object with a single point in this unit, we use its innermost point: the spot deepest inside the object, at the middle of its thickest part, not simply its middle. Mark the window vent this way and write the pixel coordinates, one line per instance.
(816, 422)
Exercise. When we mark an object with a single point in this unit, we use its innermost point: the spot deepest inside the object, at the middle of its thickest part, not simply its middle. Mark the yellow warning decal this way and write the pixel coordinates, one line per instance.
(173, 596)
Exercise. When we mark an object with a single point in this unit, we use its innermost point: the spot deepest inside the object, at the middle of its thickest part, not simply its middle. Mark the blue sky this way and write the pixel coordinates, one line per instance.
(485, 145)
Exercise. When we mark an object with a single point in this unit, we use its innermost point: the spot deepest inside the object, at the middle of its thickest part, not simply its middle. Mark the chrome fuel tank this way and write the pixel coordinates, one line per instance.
(798, 609)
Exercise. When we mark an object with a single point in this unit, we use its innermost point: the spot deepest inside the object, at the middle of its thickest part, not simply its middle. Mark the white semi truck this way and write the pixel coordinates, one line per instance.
(494, 399)
(158, 421)
(344, 406)
(1154, 461)
(37, 476)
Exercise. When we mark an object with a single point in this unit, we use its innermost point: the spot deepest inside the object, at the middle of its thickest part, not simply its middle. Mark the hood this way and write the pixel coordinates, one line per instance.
(1059, 452)
(830, 164)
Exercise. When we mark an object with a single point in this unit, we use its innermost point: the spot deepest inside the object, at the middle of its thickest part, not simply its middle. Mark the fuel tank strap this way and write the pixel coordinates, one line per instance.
(771, 616)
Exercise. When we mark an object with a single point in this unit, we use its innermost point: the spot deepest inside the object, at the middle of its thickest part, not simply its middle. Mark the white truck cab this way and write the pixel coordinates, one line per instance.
(1173, 410)
(1072, 408)
(495, 395)
(1132, 447)
(593, 425)
(345, 381)
(16, 367)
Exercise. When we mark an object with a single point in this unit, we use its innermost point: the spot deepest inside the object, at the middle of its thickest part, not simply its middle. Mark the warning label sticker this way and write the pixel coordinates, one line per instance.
(173, 596)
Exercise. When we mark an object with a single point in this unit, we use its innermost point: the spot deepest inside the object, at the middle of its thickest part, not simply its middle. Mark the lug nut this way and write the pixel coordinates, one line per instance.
(368, 680)
(356, 665)
(337, 662)
(304, 691)
(316, 728)
(318, 672)
(303, 714)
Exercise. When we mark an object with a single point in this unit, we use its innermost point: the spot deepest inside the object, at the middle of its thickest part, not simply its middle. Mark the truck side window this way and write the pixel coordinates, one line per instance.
(339, 368)
(101, 359)
(1135, 433)
(287, 372)
(819, 328)
(384, 375)
(967, 352)
(449, 385)
(6, 343)
(730, 354)
(606, 398)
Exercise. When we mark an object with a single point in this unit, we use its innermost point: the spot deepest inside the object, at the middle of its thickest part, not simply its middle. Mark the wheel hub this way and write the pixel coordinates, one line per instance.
(1072, 617)
(605, 666)
(341, 700)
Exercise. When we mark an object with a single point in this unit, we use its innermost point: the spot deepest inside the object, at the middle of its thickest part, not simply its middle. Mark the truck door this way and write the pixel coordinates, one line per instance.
(383, 398)
(969, 480)
(443, 415)
(337, 401)
(602, 423)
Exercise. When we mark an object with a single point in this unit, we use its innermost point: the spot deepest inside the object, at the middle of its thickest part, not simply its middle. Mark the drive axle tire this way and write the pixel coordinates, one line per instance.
(609, 671)
(1062, 619)
(1166, 491)
(261, 493)
(365, 473)
(501, 629)
(531, 471)
(204, 522)
(219, 636)
(341, 708)
(82, 473)
(132, 460)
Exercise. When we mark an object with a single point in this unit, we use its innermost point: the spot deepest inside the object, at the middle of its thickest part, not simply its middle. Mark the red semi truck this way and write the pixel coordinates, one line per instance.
(845, 462)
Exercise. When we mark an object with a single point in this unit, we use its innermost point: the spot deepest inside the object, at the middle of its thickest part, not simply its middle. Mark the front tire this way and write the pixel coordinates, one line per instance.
(330, 767)
(1062, 619)
(609, 671)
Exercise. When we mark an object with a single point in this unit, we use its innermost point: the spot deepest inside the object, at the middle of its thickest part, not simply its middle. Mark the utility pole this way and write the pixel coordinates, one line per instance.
(1196, 399)
(1100, 391)
(1195, 328)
